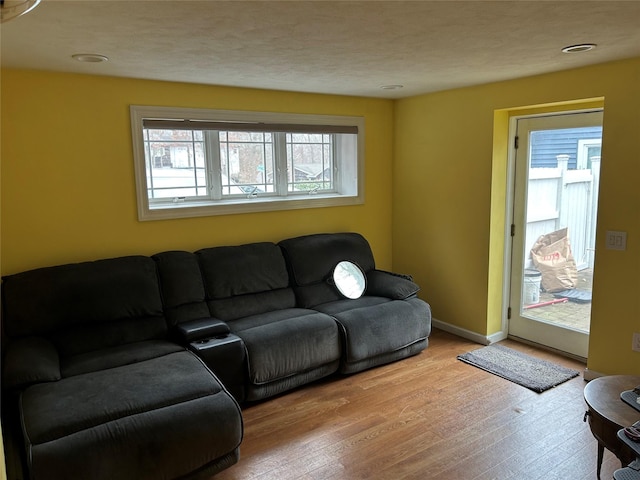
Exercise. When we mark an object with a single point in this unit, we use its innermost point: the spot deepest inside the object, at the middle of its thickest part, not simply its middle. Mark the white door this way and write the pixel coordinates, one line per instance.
(556, 176)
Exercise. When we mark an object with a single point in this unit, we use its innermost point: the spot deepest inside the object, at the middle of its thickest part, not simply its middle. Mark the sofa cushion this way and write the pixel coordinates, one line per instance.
(86, 338)
(345, 304)
(88, 305)
(286, 342)
(117, 356)
(243, 269)
(245, 280)
(233, 308)
(47, 299)
(30, 360)
(161, 418)
(182, 287)
(377, 327)
(312, 258)
(311, 295)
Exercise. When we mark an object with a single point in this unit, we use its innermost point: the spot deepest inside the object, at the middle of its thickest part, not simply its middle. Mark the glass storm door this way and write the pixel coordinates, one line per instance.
(557, 171)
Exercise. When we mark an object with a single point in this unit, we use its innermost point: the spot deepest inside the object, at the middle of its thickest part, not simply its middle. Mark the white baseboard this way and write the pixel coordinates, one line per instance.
(497, 337)
(468, 334)
(488, 340)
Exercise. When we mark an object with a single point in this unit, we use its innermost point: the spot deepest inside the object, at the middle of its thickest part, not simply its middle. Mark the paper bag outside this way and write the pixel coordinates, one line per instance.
(551, 255)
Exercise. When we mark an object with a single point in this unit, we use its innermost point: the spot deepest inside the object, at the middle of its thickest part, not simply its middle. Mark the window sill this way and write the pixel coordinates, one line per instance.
(242, 205)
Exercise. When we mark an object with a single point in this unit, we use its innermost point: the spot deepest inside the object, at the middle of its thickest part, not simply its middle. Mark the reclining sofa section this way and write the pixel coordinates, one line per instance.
(247, 287)
(386, 324)
(128, 368)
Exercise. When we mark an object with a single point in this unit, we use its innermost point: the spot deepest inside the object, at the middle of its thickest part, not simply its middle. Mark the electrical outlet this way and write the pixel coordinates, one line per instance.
(635, 346)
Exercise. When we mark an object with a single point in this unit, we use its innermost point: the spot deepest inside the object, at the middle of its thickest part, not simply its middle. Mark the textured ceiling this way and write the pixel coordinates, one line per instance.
(338, 47)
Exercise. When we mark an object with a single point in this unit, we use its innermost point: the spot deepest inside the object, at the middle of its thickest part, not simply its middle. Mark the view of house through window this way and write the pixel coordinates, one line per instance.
(220, 162)
(246, 160)
(175, 163)
(310, 162)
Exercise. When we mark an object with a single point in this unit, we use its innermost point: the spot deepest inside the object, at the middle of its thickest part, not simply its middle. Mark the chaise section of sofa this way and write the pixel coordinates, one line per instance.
(98, 389)
(389, 322)
(113, 424)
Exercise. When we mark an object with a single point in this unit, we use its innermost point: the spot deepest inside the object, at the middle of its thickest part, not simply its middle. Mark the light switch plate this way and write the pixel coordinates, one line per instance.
(616, 240)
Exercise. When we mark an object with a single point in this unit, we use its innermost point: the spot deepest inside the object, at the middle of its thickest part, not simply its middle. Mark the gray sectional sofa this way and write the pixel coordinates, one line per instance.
(134, 367)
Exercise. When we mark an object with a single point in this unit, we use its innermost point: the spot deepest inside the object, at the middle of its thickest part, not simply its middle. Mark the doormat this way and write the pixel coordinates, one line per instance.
(530, 372)
(579, 296)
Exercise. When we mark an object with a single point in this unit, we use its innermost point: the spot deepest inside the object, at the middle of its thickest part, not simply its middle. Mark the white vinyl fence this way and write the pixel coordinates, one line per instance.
(558, 198)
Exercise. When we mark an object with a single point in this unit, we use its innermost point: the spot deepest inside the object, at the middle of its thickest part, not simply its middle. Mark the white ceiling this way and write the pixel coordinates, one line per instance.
(336, 47)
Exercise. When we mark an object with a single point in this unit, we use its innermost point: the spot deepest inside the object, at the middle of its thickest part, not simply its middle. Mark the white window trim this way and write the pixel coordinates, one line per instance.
(582, 159)
(351, 193)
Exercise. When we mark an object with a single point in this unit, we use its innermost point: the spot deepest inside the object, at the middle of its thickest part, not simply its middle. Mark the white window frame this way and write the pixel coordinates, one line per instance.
(582, 160)
(348, 166)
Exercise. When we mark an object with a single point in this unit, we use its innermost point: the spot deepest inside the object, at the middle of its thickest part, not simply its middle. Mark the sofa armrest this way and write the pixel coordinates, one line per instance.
(30, 360)
(390, 285)
(406, 276)
(201, 328)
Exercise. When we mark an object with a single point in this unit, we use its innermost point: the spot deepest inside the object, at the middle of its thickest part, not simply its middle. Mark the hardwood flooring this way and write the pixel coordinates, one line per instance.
(426, 417)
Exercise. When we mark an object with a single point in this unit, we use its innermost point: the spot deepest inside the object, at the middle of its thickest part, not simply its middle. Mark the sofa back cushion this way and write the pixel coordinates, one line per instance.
(312, 258)
(86, 306)
(245, 280)
(182, 287)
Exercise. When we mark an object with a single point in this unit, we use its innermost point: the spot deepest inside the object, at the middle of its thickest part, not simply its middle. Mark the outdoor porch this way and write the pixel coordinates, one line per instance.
(569, 314)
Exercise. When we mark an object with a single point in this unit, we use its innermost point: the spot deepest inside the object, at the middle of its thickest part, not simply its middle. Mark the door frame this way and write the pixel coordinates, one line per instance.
(509, 213)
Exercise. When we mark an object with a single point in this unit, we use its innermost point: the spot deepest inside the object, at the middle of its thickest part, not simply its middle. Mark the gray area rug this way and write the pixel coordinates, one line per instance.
(531, 372)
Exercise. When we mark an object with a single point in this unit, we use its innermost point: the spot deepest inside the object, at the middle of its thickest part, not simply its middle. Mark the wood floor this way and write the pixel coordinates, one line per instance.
(427, 417)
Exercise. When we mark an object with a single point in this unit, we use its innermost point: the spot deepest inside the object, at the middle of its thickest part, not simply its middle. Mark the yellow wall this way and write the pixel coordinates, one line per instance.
(443, 175)
(68, 190)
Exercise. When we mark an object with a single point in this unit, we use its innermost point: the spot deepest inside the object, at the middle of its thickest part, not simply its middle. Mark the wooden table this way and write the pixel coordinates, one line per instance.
(607, 414)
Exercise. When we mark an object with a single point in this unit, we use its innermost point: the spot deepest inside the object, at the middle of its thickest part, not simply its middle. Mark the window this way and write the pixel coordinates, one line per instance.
(589, 151)
(193, 162)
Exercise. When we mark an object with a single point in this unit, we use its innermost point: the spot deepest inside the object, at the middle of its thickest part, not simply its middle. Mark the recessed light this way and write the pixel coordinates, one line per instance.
(89, 57)
(391, 87)
(582, 47)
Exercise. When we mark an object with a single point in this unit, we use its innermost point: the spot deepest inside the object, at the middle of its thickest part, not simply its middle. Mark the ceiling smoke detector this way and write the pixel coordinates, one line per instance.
(14, 8)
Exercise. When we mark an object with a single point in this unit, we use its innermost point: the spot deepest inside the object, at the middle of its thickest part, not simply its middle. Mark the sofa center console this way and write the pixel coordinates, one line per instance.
(225, 355)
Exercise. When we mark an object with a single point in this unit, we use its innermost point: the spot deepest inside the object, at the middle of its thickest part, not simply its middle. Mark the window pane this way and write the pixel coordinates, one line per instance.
(246, 161)
(309, 162)
(175, 163)
(217, 161)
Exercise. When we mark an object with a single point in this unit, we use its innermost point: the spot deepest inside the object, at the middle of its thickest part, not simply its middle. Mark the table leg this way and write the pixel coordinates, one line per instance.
(600, 457)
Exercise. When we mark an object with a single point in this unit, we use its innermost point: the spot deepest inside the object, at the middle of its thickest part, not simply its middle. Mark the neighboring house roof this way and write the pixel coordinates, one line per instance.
(311, 171)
